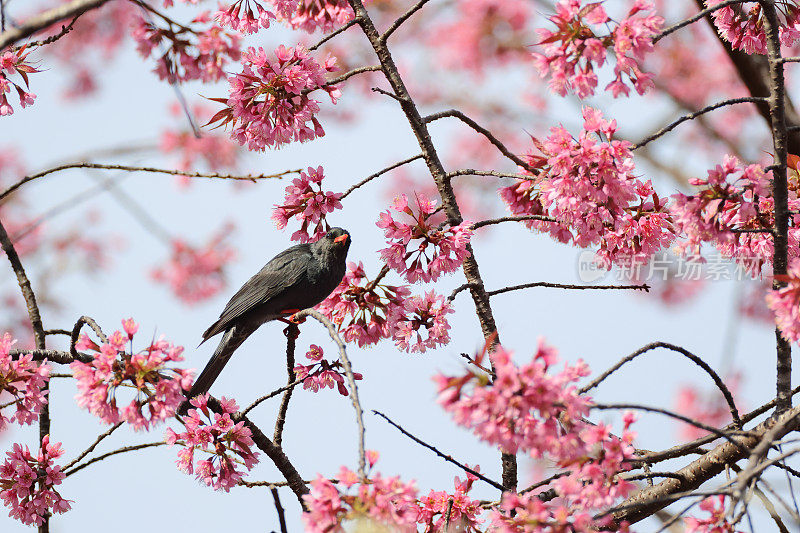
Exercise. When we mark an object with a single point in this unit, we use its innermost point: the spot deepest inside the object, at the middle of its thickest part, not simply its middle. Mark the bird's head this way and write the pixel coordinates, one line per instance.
(336, 242)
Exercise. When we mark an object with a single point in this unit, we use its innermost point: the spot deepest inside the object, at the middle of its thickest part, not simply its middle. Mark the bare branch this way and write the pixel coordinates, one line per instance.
(125, 449)
(292, 332)
(46, 19)
(695, 18)
(520, 218)
(401, 19)
(380, 172)
(279, 508)
(333, 34)
(271, 395)
(91, 448)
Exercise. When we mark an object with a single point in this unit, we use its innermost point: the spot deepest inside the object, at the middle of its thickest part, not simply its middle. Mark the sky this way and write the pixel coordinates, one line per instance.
(599, 327)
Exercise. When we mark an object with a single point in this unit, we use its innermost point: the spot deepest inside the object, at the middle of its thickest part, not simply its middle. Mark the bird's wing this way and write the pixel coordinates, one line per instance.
(282, 272)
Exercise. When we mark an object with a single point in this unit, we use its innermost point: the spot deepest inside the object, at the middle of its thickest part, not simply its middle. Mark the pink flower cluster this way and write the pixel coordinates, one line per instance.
(322, 373)
(197, 273)
(182, 55)
(22, 379)
(743, 27)
(27, 483)
(527, 408)
(462, 513)
(708, 407)
(589, 187)
(269, 104)
(14, 62)
(424, 315)
(373, 311)
(216, 434)
(733, 197)
(245, 16)
(573, 49)
(364, 313)
(380, 503)
(785, 303)
(421, 250)
(306, 201)
(716, 523)
(158, 387)
(323, 15)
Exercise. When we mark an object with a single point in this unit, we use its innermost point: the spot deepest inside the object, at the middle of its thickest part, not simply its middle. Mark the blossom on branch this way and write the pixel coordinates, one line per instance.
(27, 483)
(197, 273)
(743, 25)
(228, 444)
(716, 523)
(421, 250)
(457, 510)
(588, 186)
(269, 104)
(573, 50)
(323, 373)
(306, 201)
(423, 314)
(158, 388)
(365, 313)
(23, 379)
(14, 62)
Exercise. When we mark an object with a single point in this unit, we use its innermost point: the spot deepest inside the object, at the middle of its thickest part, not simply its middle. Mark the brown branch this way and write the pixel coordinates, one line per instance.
(279, 508)
(292, 333)
(726, 393)
(520, 218)
(332, 35)
(53, 356)
(128, 168)
(642, 287)
(47, 19)
(76, 331)
(418, 125)
(380, 172)
(695, 18)
(91, 448)
(125, 449)
(271, 395)
(401, 19)
(473, 172)
(483, 131)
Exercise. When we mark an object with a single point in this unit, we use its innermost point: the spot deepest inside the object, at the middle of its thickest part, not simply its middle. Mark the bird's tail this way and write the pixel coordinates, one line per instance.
(231, 340)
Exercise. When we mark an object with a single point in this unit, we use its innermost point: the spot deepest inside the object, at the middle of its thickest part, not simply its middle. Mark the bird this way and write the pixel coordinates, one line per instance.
(297, 278)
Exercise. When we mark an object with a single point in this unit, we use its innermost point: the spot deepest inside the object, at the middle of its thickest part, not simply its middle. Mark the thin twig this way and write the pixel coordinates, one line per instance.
(473, 172)
(91, 448)
(726, 393)
(271, 395)
(376, 174)
(322, 319)
(446, 457)
(279, 508)
(400, 20)
(46, 19)
(109, 454)
(76, 331)
(519, 218)
(483, 131)
(695, 18)
(129, 168)
(333, 34)
(292, 333)
(666, 129)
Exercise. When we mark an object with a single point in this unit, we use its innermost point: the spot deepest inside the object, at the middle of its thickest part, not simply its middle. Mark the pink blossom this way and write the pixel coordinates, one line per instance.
(307, 202)
(245, 16)
(388, 503)
(23, 379)
(589, 187)
(708, 407)
(716, 523)
(365, 311)
(197, 273)
(227, 444)
(461, 514)
(744, 28)
(785, 303)
(15, 62)
(418, 249)
(201, 55)
(269, 104)
(27, 483)
(158, 387)
(323, 15)
(323, 373)
(733, 197)
(573, 50)
(425, 314)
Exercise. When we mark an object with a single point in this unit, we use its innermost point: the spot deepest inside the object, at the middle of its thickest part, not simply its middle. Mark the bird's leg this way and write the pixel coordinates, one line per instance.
(291, 331)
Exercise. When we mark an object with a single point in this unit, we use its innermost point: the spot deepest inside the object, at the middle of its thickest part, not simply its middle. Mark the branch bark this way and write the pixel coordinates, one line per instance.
(47, 19)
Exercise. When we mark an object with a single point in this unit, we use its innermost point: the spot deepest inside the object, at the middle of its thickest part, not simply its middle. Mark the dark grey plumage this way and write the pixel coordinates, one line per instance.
(295, 279)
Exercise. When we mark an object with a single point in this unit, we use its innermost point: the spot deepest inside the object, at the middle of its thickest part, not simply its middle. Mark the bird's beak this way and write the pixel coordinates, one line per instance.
(341, 238)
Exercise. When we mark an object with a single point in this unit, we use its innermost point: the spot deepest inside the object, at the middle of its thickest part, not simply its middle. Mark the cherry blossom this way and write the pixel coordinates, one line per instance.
(589, 188)
(323, 15)
(15, 62)
(245, 16)
(733, 197)
(27, 483)
(182, 55)
(269, 104)
(323, 373)
(708, 407)
(716, 523)
(418, 249)
(228, 444)
(571, 52)
(378, 503)
(785, 303)
(23, 379)
(158, 387)
(457, 509)
(743, 25)
(197, 273)
(423, 314)
(366, 313)
(307, 202)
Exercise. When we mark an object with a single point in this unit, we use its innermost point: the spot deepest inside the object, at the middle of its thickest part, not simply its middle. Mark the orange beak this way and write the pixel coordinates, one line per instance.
(341, 238)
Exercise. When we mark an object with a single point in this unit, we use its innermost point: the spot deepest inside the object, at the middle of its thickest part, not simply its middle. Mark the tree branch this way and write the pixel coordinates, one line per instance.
(47, 19)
